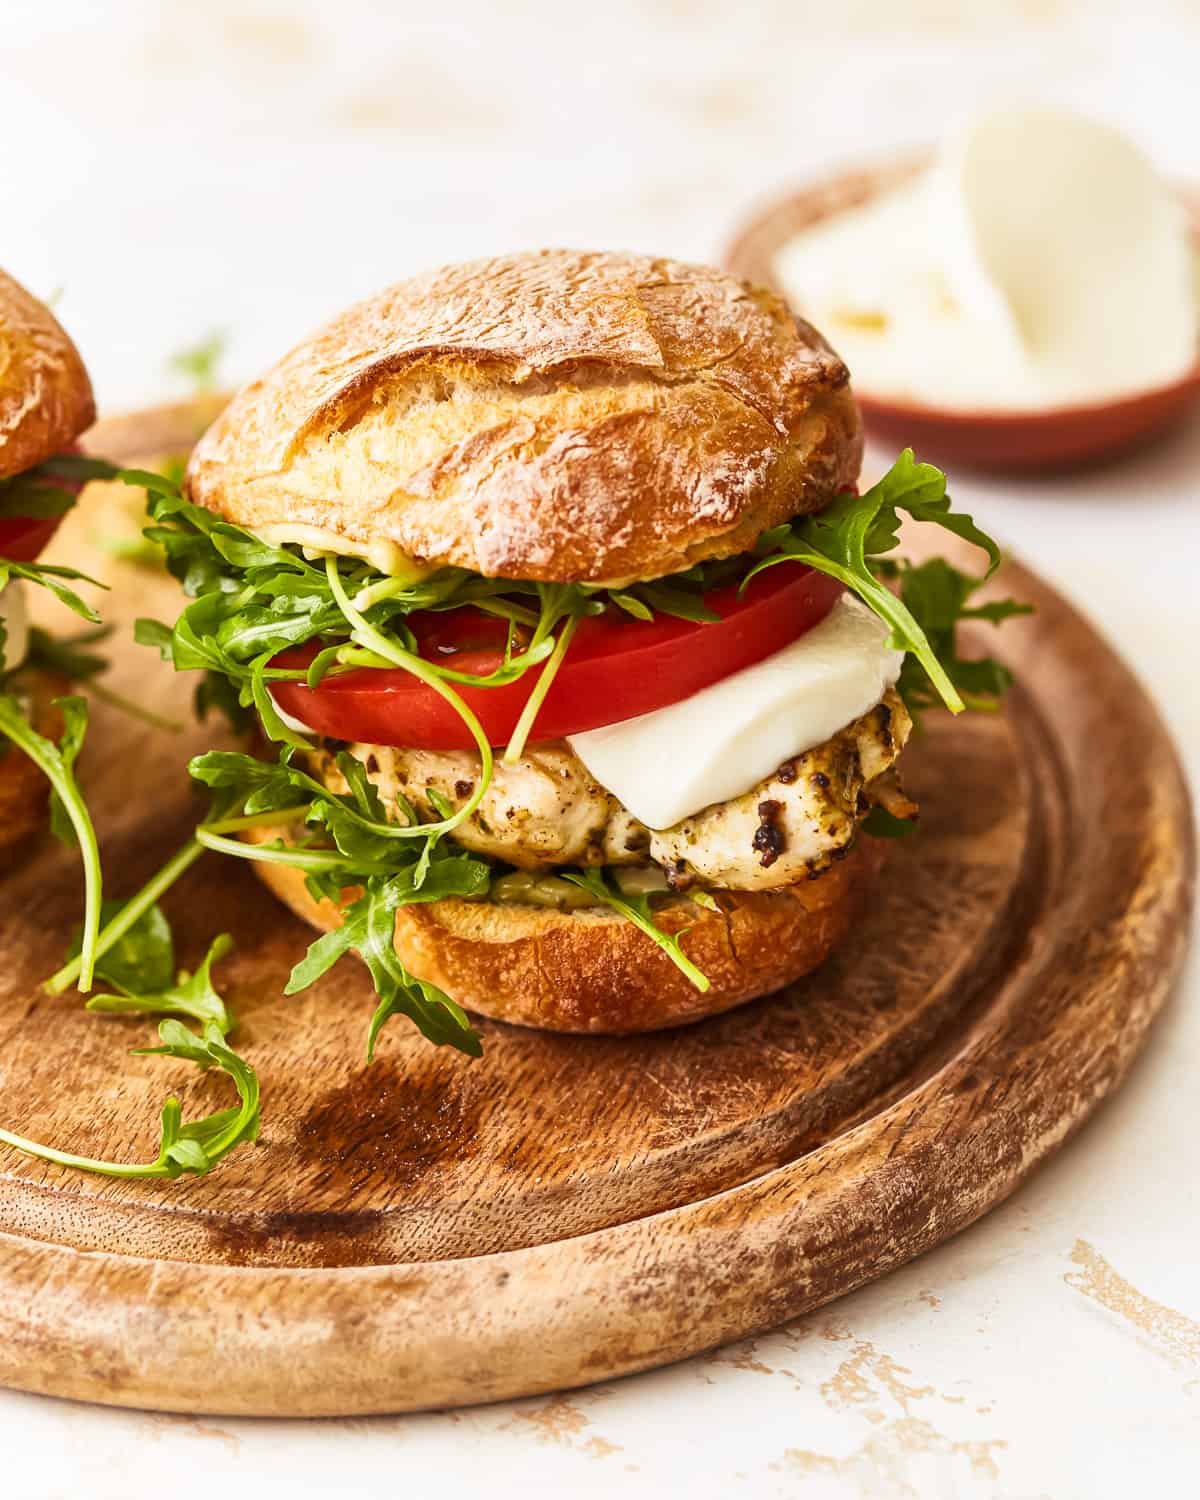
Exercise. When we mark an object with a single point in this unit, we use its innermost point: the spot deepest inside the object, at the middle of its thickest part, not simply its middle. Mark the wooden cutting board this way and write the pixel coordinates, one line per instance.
(430, 1231)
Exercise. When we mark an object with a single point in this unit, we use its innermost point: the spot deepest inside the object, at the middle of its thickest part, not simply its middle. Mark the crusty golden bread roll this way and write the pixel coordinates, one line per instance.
(556, 415)
(559, 416)
(24, 790)
(45, 394)
(593, 971)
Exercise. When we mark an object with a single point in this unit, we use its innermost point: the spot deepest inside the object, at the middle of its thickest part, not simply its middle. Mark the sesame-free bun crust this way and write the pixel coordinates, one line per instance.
(591, 970)
(554, 415)
(24, 791)
(45, 394)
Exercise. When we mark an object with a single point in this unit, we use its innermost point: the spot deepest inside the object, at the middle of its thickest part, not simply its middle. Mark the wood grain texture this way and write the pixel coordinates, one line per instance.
(430, 1231)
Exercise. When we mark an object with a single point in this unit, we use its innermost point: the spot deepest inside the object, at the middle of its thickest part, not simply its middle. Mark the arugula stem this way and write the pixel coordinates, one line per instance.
(511, 670)
(299, 858)
(27, 739)
(637, 911)
(134, 710)
(313, 860)
(374, 640)
(124, 919)
(533, 703)
(907, 635)
(84, 1163)
(277, 819)
(508, 611)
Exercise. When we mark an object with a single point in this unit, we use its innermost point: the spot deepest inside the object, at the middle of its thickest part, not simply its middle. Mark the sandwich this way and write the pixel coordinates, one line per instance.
(45, 404)
(577, 667)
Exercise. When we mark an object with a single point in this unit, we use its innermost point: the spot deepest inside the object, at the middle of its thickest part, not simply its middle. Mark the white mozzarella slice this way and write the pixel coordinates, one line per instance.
(666, 765)
(298, 726)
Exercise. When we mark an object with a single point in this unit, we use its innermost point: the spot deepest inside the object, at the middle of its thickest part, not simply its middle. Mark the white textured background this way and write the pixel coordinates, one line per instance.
(177, 168)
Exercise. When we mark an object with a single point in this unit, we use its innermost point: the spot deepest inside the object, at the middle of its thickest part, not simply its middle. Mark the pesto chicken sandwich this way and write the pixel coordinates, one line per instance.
(577, 662)
(45, 404)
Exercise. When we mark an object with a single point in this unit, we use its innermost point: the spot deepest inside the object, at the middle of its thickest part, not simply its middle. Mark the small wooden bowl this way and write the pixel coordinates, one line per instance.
(1041, 438)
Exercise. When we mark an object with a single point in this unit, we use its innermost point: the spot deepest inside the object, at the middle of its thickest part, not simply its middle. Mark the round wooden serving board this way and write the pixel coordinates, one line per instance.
(430, 1231)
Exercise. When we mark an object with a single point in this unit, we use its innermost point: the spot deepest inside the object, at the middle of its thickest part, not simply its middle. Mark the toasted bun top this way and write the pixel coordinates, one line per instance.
(45, 394)
(554, 415)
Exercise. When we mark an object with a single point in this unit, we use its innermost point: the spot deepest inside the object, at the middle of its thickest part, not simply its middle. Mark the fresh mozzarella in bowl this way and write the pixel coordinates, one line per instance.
(1038, 262)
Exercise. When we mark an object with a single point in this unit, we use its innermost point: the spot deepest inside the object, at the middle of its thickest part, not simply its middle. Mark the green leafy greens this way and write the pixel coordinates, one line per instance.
(636, 909)
(137, 959)
(140, 967)
(367, 929)
(848, 541)
(251, 600)
(41, 493)
(194, 1147)
(47, 491)
(938, 596)
(69, 816)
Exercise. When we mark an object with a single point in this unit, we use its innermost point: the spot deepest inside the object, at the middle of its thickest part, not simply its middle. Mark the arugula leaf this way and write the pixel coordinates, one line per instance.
(77, 468)
(391, 872)
(632, 605)
(196, 1146)
(127, 914)
(38, 493)
(63, 656)
(368, 929)
(365, 841)
(252, 784)
(154, 633)
(937, 596)
(62, 822)
(48, 576)
(143, 958)
(139, 960)
(636, 909)
(140, 965)
(69, 815)
(22, 497)
(191, 995)
(842, 539)
(920, 489)
(664, 599)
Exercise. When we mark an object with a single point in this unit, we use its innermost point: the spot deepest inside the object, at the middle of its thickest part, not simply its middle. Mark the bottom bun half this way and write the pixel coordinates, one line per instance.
(24, 790)
(593, 971)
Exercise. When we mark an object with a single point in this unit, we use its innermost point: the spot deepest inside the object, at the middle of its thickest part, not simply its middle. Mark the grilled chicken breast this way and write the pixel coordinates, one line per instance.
(546, 810)
(797, 821)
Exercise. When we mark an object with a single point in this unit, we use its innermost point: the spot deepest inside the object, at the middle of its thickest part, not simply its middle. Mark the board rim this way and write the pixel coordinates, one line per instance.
(354, 1340)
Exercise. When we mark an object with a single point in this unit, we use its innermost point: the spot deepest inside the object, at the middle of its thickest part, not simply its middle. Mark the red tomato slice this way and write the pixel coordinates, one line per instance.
(615, 668)
(22, 537)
